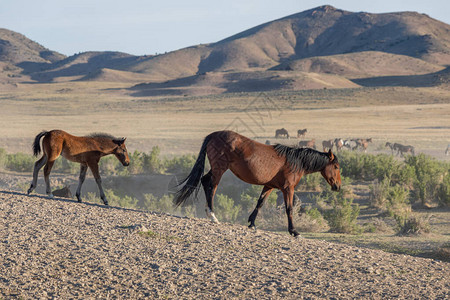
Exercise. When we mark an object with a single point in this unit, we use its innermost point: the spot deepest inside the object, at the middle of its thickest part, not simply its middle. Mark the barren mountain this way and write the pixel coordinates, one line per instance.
(322, 40)
(61, 249)
(17, 49)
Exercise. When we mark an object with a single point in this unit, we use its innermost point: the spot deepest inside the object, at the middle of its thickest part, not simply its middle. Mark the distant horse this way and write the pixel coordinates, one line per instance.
(402, 149)
(308, 144)
(86, 150)
(327, 145)
(301, 132)
(363, 143)
(350, 144)
(338, 143)
(447, 151)
(281, 133)
(278, 166)
(390, 146)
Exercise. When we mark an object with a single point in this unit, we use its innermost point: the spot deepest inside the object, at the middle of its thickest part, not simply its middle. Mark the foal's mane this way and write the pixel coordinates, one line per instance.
(102, 135)
(306, 159)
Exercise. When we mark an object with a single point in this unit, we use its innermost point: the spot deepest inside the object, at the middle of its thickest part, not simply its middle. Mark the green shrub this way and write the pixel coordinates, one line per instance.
(378, 192)
(163, 204)
(250, 196)
(20, 162)
(3, 158)
(444, 190)
(429, 176)
(225, 209)
(362, 166)
(414, 225)
(311, 182)
(152, 162)
(342, 217)
(63, 165)
(180, 164)
(312, 221)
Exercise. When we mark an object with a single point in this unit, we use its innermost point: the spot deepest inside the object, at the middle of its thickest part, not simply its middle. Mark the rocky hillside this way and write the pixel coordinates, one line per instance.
(57, 248)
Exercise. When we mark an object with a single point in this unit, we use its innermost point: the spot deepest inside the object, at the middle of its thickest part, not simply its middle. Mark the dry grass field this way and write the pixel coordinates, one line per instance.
(415, 116)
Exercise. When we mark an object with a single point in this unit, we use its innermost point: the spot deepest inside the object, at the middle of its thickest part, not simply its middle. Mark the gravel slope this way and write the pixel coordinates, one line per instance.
(56, 248)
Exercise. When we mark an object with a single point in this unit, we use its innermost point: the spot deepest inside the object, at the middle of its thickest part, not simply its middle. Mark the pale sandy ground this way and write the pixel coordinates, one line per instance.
(61, 249)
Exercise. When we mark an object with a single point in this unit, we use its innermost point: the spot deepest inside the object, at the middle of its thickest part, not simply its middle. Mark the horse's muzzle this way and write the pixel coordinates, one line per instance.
(126, 164)
(335, 188)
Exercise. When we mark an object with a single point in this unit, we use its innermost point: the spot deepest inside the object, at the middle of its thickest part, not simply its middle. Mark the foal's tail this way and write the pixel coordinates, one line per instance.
(193, 179)
(36, 144)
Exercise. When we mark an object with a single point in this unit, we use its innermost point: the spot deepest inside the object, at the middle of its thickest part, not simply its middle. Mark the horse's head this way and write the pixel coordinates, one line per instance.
(121, 151)
(332, 173)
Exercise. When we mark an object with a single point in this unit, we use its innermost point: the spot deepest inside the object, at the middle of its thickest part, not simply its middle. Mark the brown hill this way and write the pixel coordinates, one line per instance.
(254, 81)
(362, 64)
(323, 31)
(15, 48)
(322, 40)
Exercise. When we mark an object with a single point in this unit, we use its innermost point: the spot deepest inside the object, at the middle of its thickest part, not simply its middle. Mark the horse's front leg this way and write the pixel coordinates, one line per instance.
(264, 195)
(289, 203)
(81, 179)
(95, 171)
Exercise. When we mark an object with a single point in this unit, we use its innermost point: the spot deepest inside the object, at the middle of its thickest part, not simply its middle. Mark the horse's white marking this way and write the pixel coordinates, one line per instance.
(211, 215)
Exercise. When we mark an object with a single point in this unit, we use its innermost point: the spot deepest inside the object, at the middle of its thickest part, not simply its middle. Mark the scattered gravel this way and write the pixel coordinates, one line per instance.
(57, 248)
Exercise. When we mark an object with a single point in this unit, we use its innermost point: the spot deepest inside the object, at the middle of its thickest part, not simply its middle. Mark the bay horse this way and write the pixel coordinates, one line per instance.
(281, 133)
(272, 166)
(308, 144)
(301, 132)
(86, 150)
(401, 149)
(327, 145)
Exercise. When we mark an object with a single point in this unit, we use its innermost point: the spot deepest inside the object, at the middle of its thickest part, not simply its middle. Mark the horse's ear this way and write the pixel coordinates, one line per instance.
(330, 155)
(119, 141)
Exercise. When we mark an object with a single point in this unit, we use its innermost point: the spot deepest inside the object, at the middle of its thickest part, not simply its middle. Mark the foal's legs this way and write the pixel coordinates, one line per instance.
(83, 170)
(37, 167)
(264, 194)
(47, 170)
(94, 168)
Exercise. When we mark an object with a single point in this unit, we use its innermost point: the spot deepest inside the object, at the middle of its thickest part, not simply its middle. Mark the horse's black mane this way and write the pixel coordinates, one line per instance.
(306, 159)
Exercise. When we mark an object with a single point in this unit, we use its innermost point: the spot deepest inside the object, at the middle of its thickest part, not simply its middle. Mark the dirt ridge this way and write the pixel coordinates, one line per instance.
(58, 248)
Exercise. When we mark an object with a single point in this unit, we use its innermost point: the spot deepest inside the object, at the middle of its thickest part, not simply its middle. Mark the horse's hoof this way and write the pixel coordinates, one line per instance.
(50, 196)
(294, 233)
(252, 227)
(106, 203)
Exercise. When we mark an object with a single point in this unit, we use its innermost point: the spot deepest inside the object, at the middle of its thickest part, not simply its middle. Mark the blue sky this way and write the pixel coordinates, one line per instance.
(147, 27)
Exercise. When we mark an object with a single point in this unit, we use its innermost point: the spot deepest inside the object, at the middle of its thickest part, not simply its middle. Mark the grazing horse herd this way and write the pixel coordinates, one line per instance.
(338, 143)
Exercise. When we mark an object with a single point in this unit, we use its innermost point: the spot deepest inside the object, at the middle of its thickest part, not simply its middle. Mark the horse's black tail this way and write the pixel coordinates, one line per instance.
(193, 179)
(36, 144)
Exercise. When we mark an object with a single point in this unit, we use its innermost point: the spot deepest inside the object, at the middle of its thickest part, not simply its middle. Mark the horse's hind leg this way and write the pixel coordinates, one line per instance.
(264, 194)
(47, 170)
(210, 182)
(37, 167)
(82, 177)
